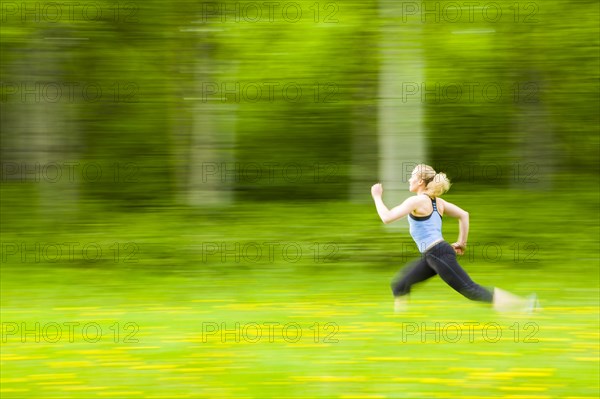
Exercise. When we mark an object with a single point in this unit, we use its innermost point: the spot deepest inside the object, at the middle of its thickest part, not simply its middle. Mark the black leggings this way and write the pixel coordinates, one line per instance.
(440, 259)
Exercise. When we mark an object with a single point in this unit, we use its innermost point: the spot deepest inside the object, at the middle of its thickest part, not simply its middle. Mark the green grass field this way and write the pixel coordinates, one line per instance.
(304, 312)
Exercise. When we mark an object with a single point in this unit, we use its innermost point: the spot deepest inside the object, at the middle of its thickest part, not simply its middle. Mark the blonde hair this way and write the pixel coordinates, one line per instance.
(436, 184)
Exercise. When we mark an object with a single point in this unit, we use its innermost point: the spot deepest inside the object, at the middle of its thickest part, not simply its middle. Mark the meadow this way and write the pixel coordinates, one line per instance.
(292, 299)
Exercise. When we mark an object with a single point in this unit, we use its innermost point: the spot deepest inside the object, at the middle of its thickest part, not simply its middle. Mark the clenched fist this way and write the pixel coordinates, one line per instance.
(377, 190)
(459, 248)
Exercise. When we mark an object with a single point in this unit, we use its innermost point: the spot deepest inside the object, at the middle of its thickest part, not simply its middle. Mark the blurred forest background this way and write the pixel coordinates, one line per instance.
(190, 103)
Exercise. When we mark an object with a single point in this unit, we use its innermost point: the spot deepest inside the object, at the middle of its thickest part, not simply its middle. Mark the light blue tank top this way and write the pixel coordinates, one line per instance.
(426, 230)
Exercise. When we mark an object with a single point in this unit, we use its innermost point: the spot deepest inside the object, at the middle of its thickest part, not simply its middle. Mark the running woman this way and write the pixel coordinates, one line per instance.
(425, 211)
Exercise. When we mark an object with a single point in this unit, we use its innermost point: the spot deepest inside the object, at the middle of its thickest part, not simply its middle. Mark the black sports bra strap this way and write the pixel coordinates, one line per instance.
(433, 203)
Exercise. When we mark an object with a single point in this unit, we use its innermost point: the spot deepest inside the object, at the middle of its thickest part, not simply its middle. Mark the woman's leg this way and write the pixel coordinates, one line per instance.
(410, 275)
(505, 301)
(413, 273)
(442, 259)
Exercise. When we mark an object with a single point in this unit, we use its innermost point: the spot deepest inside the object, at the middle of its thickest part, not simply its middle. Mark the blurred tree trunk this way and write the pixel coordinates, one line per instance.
(39, 132)
(205, 136)
(401, 120)
(364, 146)
(536, 157)
(212, 173)
(363, 165)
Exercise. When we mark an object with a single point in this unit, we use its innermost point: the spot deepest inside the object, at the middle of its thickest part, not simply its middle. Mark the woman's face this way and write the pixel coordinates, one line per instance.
(414, 182)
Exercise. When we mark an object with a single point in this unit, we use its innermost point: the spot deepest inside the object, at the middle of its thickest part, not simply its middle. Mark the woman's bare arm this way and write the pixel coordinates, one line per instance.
(463, 225)
(398, 212)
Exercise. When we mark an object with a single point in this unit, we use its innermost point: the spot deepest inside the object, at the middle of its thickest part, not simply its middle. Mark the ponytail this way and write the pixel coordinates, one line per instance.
(438, 185)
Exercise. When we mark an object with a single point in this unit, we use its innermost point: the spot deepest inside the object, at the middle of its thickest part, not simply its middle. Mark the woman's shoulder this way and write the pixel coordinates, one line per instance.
(418, 198)
(441, 205)
(425, 197)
